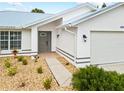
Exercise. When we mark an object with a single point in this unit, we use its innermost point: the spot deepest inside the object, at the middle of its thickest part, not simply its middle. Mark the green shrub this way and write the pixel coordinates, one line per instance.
(7, 60)
(47, 83)
(12, 71)
(93, 78)
(20, 58)
(7, 63)
(24, 62)
(39, 70)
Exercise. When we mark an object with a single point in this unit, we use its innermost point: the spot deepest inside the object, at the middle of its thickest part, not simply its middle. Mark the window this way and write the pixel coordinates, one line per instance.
(4, 40)
(15, 40)
(10, 40)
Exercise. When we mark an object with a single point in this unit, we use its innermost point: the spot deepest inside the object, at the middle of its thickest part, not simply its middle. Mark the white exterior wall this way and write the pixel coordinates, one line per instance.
(109, 21)
(34, 39)
(75, 13)
(26, 40)
(66, 44)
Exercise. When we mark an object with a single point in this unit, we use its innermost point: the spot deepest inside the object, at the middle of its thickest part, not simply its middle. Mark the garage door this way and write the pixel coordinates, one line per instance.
(107, 47)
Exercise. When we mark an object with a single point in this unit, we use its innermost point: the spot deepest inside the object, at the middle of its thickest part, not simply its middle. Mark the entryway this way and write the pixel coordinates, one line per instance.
(44, 41)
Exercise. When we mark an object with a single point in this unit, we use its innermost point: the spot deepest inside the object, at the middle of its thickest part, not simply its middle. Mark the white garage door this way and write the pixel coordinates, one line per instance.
(107, 47)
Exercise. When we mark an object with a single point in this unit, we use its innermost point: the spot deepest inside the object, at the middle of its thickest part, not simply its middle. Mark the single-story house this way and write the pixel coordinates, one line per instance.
(83, 34)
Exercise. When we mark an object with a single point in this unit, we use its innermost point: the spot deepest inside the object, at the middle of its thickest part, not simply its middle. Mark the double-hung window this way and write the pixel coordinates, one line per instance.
(4, 37)
(10, 40)
(15, 40)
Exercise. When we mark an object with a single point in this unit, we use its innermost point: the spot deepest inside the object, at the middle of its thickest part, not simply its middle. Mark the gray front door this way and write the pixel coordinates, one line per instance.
(44, 41)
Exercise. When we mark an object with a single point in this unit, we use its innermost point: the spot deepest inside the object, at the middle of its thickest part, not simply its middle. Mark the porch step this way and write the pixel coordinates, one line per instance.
(61, 74)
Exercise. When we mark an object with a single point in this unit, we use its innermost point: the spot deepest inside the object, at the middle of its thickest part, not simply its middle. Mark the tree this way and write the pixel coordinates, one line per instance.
(104, 5)
(36, 10)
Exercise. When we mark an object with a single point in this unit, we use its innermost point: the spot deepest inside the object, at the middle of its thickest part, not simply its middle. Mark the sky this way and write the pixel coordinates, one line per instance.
(48, 7)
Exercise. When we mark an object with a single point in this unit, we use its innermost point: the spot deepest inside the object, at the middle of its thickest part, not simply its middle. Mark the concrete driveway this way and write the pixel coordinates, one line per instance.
(119, 67)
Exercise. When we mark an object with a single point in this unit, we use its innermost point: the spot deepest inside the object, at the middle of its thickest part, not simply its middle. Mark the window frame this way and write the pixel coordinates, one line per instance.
(9, 40)
(15, 40)
(4, 40)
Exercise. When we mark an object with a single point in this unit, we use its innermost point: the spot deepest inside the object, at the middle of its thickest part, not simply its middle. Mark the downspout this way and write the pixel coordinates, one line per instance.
(75, 42)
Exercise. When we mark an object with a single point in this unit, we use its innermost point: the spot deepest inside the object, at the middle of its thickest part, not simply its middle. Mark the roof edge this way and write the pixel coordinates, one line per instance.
(96, 13)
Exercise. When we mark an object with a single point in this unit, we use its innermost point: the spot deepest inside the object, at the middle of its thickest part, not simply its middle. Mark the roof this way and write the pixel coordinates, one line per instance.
(89, 5)
(88, 16)
(59, 15)
(18, 19)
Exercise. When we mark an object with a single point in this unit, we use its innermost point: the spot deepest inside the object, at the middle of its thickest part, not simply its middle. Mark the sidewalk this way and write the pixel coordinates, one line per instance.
(61, 74)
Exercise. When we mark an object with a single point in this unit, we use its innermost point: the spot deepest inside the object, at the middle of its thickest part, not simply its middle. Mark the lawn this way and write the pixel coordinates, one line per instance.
(27, 77)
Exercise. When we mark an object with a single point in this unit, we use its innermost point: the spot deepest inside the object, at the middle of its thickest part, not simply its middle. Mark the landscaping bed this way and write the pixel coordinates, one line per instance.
(71, 68)
(27, 77)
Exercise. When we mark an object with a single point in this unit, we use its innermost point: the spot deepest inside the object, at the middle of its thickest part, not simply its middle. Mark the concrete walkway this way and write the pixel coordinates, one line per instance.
(119, 67)
(61, 74)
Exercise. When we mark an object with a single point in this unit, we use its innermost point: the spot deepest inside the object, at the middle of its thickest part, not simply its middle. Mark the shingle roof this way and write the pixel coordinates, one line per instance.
(18, 19)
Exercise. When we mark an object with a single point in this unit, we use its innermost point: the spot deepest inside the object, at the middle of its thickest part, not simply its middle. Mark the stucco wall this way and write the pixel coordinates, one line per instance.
(34, 39)
(26, 40)
(66, 43)
(109, 21)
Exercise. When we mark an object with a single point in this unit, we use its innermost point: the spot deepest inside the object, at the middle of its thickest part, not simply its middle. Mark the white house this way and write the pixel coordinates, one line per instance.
(77, 33)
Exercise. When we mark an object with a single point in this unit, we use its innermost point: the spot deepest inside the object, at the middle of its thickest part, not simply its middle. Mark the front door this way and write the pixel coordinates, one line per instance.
(44, 41)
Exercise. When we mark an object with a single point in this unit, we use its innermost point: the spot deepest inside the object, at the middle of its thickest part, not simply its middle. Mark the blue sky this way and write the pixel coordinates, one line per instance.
(48, 7)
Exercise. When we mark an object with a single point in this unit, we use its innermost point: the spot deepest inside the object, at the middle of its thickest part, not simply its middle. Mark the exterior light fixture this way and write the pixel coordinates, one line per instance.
(121, 26)
(84, 38)
(58, 35)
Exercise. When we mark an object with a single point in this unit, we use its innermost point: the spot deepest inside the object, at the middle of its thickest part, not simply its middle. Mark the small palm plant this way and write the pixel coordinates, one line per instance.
(21, 58)
(24, 61)
(39, 70)
(47, 83)
(15, 51)
(11, 71)
(7, 63)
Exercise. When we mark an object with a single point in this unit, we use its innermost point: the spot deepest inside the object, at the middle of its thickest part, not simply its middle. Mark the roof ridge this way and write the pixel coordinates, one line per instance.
(23, 12)
(13, 11)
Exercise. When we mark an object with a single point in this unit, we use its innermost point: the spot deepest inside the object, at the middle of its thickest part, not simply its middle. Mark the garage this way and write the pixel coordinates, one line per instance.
(107, 47)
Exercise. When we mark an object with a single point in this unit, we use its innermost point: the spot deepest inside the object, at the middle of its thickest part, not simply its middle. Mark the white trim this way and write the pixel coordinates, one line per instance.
(9, 40)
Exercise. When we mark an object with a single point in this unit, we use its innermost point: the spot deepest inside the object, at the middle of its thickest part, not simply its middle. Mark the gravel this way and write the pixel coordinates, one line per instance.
(27, 78)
